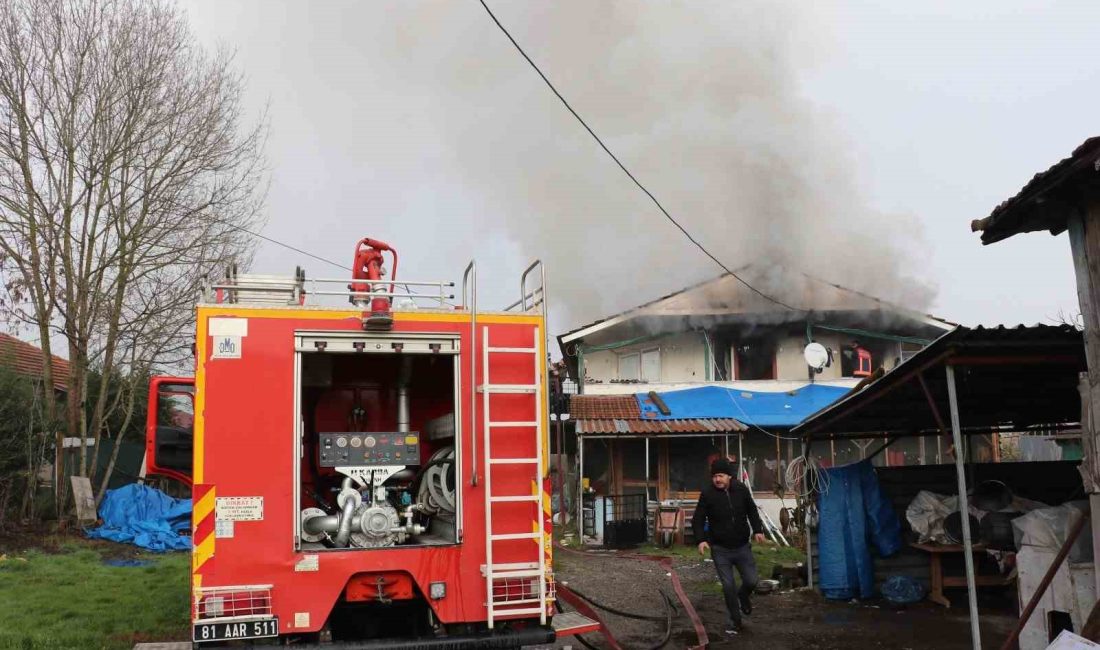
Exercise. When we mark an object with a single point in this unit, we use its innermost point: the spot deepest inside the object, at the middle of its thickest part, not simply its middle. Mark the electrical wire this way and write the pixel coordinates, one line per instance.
(626, 171)
(729, 395)
(807, 473)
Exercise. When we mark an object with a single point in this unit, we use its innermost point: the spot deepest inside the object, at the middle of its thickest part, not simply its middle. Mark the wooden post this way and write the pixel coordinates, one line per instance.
(1084, 242)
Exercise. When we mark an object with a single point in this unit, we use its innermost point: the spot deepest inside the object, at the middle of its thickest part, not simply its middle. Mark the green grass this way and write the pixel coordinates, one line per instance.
(71, 599)
(767, 556)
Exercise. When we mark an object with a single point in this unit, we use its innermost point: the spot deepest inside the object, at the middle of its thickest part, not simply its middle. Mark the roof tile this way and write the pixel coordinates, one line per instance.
(619, 414)
(27, 359)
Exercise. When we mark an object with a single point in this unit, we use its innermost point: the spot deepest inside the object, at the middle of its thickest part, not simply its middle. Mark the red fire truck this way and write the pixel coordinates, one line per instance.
(370, 472)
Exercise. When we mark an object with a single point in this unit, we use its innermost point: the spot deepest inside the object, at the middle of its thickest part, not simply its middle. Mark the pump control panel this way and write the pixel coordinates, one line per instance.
(358, 449)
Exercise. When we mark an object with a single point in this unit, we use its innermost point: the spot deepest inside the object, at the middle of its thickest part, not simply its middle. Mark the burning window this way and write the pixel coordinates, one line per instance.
(754, 360)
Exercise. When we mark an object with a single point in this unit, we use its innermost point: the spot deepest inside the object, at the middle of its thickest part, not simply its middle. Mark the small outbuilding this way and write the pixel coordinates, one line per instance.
(968, 385)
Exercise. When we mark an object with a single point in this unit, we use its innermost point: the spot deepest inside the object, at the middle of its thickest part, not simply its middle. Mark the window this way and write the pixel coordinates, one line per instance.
(643, 366)
(629, 367)
(651, 365)
(754, 360)
(910, 349)
(689, 462)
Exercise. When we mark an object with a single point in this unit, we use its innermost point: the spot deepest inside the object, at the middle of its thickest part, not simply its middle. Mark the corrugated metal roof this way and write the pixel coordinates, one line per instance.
(1036, 206)
(664, 427)
(27, 359)
(619, 414)
(1008, 377)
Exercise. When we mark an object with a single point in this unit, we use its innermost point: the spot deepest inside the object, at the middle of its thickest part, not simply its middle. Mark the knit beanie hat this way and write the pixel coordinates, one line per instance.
(721, 466)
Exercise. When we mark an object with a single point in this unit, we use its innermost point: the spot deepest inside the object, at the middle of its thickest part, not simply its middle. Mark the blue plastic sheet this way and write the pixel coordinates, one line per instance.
(853, 512)
(785, 409)
(144, 516)
(902, 590)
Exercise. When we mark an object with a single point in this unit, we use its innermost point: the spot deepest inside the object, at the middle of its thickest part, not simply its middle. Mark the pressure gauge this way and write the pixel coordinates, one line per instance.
(341, 442)
(356, 442)
(369, 441)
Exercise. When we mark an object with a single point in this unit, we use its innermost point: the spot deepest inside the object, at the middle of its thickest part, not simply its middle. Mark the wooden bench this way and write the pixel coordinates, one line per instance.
(939, 580)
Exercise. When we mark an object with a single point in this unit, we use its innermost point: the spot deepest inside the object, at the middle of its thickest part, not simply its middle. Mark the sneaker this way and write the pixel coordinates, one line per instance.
(746, 605)
(733, 630)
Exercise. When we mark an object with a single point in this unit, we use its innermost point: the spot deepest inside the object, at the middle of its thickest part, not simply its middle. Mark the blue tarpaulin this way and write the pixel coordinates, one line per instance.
(853, 512)
(144, 516)
(785, 409)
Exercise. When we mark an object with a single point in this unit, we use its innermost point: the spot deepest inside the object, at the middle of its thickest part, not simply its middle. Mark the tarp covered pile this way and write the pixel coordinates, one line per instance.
(144, 516)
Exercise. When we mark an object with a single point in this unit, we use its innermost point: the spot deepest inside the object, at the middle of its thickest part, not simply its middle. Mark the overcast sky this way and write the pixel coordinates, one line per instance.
(856, 141)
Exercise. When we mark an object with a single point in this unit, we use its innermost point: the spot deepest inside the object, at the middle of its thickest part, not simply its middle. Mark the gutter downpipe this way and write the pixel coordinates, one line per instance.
(964, 508)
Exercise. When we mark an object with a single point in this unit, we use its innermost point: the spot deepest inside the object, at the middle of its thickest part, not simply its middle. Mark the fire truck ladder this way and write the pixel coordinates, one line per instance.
(501, 579)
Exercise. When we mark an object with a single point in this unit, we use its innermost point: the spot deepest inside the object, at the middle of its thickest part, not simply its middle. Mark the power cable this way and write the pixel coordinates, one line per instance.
(627, 171)
(729, 395)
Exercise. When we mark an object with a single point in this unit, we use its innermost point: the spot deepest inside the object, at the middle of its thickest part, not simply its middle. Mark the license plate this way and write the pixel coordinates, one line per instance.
(236, 630)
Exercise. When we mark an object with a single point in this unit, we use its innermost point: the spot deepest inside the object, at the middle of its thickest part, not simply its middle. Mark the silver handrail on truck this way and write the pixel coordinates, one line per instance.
(469, 280)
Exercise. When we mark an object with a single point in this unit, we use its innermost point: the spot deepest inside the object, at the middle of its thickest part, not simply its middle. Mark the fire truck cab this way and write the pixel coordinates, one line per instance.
(370, 472)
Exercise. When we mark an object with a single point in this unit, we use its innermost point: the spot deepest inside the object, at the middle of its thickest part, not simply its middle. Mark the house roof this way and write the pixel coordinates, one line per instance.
(621, 415)
(27, 359)
(1006, 378)
(725, 294)
(1048, 199)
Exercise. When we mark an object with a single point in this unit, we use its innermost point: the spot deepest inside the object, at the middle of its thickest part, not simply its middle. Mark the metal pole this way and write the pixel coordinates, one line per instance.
(580, 489)
(964, 509)
(561, 455)
(807, 500)
(740, 458)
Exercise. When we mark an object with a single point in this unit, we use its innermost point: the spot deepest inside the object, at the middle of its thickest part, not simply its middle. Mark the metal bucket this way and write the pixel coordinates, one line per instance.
(991, 496)
(996, 530)
(953, 530)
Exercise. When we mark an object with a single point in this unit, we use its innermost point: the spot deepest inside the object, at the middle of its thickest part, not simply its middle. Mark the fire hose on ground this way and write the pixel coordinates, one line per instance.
(670, 607)
(581, 604)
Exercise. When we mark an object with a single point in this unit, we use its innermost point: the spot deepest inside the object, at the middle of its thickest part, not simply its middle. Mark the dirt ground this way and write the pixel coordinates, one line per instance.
(794, 619)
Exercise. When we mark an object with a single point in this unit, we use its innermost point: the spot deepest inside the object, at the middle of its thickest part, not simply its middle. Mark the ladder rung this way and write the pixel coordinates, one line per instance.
(515, 350)
(506, 536)
(507, 388)
(513, 424)
(512, 461)
(516, 612)
(511, 566)
(513, 499)
(524, 573)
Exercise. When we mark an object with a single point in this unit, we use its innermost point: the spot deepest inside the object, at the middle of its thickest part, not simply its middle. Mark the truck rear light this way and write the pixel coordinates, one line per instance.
(227, 602)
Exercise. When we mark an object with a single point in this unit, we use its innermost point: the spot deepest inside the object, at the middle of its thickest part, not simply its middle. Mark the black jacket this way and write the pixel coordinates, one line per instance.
(729, 513)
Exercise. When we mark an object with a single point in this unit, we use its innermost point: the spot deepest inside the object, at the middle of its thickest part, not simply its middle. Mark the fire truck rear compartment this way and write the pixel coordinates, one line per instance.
(378, 466)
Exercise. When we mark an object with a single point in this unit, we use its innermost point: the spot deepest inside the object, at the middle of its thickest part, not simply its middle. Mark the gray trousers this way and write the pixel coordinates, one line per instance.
(724, 561)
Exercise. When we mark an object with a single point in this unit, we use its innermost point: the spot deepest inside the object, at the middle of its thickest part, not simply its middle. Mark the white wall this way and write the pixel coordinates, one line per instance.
(683, 359)
(792, 365)
(760, 385)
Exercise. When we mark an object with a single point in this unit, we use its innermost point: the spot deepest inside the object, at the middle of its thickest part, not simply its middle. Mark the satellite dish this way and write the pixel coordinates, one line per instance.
(817, 357)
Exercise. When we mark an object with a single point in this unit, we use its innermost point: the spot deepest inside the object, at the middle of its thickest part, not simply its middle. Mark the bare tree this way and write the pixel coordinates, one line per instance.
(126, 175)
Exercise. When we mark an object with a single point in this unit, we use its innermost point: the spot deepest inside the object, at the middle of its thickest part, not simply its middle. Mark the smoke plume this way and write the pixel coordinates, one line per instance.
(702, 102)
